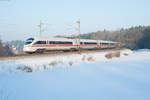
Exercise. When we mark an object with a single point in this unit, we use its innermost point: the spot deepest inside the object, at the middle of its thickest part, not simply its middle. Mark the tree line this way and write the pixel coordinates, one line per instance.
(133, 38)
(5, 49)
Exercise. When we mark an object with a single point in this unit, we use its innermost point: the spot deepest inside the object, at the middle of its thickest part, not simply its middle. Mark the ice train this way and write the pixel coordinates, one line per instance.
(40, 45)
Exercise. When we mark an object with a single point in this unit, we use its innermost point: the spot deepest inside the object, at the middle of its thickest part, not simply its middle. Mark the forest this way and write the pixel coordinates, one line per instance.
(133, 38)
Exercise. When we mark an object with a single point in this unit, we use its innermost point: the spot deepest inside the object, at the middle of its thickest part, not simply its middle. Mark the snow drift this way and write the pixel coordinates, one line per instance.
(40, 63)
(78, 77)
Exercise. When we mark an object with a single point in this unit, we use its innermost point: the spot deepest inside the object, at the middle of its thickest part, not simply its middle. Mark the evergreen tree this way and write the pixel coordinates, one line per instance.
(2, 49)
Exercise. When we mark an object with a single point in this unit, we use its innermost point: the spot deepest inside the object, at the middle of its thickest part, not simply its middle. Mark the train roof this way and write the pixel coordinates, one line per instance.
(56, 39)
(89, 40)
(66, 39)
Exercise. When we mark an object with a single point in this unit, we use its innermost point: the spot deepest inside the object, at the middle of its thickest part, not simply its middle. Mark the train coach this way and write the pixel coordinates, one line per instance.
(40, 45)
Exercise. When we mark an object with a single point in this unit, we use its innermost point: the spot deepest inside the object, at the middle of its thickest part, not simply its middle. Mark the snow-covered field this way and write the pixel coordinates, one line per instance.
(84, 76)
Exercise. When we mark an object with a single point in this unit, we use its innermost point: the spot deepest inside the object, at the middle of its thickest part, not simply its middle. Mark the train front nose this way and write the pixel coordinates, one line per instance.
(27, 48)
(28, 45)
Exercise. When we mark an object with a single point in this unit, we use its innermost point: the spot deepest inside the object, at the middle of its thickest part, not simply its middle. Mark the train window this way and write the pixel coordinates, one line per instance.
(29, 41)
(43, 42)
(26, 43)
(104, 43)
(81, 43)
(40, 42)
(90, 43)
(67, 43)
(60, 43)
(111, 43)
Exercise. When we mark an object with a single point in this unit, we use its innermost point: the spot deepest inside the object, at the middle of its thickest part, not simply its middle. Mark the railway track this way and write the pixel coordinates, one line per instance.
(22, 56)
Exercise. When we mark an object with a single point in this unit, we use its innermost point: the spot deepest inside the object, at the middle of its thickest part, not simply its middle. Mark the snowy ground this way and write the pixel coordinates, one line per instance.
(77, 77)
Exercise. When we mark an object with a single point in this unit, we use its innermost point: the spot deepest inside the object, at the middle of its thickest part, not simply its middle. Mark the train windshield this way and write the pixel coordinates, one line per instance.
(29, 41)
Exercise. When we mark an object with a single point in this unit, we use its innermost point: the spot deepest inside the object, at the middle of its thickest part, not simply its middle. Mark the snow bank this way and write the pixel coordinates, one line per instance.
(143, 50)
(40, 63)
(91, 77)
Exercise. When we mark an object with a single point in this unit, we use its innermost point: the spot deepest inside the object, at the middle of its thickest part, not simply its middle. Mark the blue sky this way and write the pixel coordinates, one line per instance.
(19, 19)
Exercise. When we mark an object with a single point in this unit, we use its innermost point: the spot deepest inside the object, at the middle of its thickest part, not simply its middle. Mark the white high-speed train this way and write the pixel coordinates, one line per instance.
(41, 45)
